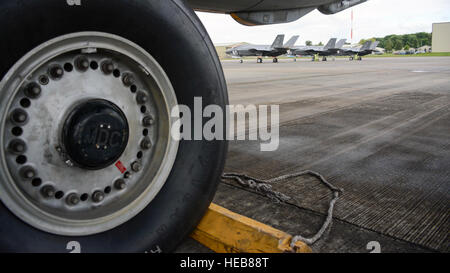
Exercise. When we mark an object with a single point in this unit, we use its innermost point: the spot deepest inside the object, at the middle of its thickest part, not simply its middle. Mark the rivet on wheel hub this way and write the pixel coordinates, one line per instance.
(72, 199)
(19, 116)
(120, 184)
(33, 90)
(82, 64)
(146, 143)
(136, 166)
(56, 72)
(17, 146)
(98, 196)
(128, 79)
(27, 172)
(107, 67)
(147, 121)
(141, 97)
(48, 191)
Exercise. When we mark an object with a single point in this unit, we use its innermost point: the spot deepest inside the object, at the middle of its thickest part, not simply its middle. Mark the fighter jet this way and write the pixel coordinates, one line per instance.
(330, 49)
(366, 49)
(276, 49)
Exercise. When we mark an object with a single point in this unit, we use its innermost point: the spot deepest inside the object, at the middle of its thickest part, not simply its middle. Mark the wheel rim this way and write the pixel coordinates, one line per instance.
(84, 97)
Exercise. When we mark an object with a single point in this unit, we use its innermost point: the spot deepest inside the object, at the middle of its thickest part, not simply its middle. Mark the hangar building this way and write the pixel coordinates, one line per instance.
(441, 37)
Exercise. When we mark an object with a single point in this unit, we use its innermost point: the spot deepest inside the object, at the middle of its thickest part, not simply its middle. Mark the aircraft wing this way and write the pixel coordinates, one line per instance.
(265, 12)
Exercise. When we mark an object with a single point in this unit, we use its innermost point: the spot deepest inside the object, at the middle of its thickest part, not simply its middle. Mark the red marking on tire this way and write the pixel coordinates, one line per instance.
(121, 167)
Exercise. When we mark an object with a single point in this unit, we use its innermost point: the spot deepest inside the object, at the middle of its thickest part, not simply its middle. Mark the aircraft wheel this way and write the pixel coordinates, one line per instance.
(241, 61)
(275, 60)
(259, 60)
(350, 59)
(359, 58)
(87, 159)
(324, 59)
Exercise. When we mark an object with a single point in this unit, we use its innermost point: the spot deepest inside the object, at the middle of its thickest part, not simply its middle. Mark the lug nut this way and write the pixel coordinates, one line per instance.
(19, 116)
(33, 90)
(136, 166)
(48, 191)
(82, 63)
(148, 121)
(120, 184)
(146, 143)
(17, 146)
(128, 79)
(56, 72)
(107, 67)
(98, 196)
(72, 199)
(141, 97)
(27, 172)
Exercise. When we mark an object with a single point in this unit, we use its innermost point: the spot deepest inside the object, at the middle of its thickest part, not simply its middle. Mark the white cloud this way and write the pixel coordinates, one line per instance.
(375, 18)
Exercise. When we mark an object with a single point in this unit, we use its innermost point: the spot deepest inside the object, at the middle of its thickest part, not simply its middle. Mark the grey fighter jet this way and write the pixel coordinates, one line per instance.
(330, 49)
(366, 49)
(276, 49)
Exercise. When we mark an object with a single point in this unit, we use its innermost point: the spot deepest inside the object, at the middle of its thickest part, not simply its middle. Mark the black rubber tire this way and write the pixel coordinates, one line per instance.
(171, 32)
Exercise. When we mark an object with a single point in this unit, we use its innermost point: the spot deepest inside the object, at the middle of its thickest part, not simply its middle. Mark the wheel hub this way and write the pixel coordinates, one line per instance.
(85, 133)
(95, 134)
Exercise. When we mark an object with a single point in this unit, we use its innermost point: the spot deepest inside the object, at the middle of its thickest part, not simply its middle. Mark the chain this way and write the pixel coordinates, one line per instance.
(264, 187)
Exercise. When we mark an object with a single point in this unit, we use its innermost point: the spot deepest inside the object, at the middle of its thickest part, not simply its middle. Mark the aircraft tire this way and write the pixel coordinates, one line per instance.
(172, 196)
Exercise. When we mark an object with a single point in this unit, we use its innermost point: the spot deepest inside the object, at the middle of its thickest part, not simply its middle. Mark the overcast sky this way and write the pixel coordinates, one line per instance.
(375, 18)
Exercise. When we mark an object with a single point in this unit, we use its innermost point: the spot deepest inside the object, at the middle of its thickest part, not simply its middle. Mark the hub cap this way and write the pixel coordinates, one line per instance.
(95, 134)
(85, 133)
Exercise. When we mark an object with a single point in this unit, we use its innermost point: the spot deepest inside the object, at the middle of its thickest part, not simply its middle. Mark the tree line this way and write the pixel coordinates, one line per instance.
(399, 42)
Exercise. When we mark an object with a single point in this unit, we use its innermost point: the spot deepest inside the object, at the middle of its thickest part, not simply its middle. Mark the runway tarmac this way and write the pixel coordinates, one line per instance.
(378, 128)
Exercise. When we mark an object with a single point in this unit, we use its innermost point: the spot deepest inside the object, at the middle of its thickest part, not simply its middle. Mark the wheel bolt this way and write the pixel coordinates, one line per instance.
(127, 175)
(98, 196)
(136, 166)
(27, 172)
(17, 146)
(128, 79)
(72, 199)
(33, 90)
(107, 67)
(19, 116)
(56, 72)
(141, 97)
(120, 184)
(48, 191)
(148, 121)
(146, 143)
(82, 63)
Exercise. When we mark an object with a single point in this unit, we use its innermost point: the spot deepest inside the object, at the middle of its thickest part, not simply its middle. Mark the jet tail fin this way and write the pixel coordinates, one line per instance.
(291, 42)
(374, 45)
(331, 43)
(340, 43)
(366, 45)
(278, 43)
